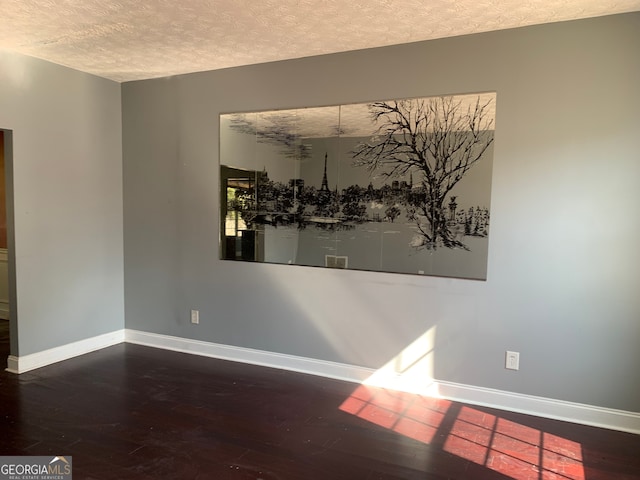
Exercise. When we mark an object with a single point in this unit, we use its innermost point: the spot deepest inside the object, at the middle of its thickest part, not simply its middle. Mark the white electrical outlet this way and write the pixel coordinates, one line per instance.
(195, 316)
(512, 361)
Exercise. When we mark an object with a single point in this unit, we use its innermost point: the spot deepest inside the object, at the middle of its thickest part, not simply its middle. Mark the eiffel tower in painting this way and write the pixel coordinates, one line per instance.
(325, 184)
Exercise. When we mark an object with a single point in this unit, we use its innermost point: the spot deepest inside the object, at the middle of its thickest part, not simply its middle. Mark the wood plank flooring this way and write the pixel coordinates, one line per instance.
(133, 412)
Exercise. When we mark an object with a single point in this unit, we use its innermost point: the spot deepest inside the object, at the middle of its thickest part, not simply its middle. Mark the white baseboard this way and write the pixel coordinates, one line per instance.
(515, 402)
(24, 363)
(610, 418)
(282, 361)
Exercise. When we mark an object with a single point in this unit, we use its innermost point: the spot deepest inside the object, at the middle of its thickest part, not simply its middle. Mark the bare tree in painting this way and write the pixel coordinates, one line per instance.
(437, 139)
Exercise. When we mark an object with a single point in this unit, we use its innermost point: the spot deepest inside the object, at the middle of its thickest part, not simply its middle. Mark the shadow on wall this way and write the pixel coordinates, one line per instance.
(412, 370)
(343, 318)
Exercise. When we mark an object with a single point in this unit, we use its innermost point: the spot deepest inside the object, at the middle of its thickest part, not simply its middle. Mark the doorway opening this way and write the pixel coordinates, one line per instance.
(240, 240)
(8, 317)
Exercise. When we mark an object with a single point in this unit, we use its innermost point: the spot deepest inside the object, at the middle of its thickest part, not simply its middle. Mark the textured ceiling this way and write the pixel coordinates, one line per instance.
(137, 39)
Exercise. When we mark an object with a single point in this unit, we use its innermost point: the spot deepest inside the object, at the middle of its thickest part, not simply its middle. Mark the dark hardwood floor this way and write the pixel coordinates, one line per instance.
(133, 412)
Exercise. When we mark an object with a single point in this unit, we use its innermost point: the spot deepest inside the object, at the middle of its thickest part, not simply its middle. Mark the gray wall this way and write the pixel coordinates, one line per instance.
(563, 276)
(66, 175)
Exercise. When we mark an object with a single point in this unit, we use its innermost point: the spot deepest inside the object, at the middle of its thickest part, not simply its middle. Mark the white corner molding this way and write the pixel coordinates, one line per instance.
(502, 400)
(25, 363)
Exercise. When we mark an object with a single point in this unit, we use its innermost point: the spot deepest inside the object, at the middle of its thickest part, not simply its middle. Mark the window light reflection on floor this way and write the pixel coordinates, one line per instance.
(515, 450)
(403, 397)
(512, 449)
(405, 413)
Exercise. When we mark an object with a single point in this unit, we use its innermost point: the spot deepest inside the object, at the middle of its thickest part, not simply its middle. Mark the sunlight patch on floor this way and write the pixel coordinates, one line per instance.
(402, 396)
(405, 413)
(512, 449)
(515, 450)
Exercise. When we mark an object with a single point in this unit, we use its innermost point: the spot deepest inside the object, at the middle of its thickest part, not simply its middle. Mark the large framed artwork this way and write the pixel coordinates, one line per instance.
(399, 186)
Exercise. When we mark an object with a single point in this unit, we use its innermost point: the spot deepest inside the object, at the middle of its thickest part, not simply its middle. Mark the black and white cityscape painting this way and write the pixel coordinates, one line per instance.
(393, 186)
